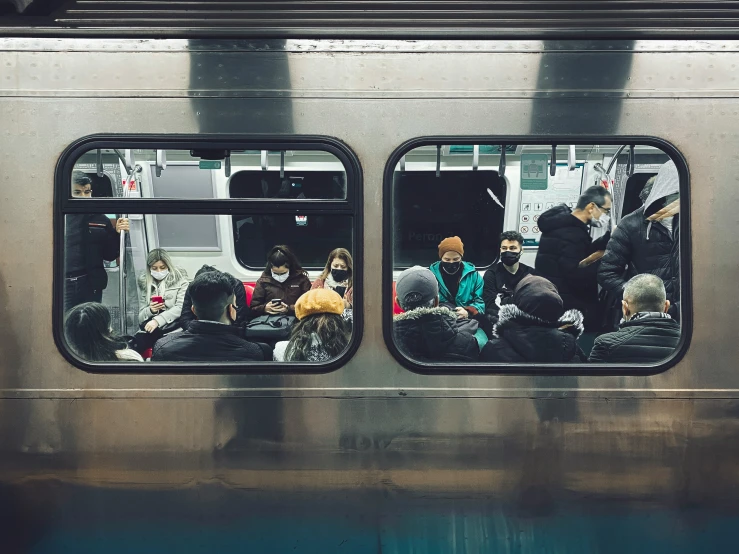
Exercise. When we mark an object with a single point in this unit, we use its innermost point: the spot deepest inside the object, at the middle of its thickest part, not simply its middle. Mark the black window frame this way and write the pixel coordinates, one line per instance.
(584, 369)
(64, 204)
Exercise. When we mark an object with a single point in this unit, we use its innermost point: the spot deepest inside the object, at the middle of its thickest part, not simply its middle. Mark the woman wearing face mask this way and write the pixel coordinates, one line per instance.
(281, 284)
(338, 275)
(163, 289)
(502, 278)
(460, 285)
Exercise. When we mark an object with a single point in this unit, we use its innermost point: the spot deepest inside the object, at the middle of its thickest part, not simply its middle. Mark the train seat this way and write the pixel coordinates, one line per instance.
(249, 290)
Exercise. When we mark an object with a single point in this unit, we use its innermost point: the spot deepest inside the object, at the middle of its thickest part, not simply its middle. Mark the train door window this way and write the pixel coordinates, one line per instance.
(179, 266)
(518, 256)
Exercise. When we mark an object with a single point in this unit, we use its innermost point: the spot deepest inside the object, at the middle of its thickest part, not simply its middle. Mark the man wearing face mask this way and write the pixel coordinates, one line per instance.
(460, 285)
(502, 278)
(647, 241)
(647, 333)
(568, 256)
(213, 337)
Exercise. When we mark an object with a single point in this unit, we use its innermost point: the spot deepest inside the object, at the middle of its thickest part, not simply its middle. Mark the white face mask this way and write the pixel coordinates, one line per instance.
(280, 278)
(159, 275)
(604, 221)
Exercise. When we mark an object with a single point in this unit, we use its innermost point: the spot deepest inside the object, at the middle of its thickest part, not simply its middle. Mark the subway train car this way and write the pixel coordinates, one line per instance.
(221, 129)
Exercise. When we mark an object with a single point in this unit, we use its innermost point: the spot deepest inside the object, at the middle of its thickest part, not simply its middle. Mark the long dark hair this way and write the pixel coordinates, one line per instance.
(87, 329)
(344, 255)
(282, 255)
(332, 330)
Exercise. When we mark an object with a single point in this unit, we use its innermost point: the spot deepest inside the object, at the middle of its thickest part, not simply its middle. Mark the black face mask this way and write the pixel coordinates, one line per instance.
(340, 275)
(510, 258)
(450, 268)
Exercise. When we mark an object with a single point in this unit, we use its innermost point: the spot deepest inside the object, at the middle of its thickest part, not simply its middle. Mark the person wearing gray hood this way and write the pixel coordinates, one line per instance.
(647, 241)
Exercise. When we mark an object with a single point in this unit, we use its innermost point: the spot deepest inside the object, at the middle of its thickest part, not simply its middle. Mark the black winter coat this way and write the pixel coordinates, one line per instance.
(641, 340)
(629, 253)
(242, 310)
(520, 337)
(495, 280)
(564, 243)
(207, 341)
(435, 335)
(268, 289)
(94, 241)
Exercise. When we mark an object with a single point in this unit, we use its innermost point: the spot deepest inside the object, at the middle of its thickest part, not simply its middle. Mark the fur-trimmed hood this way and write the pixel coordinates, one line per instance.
(435, 334)
(521, 337)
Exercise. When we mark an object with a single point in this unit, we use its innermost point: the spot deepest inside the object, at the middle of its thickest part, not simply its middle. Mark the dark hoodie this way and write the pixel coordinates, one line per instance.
(435, 335)
(242, 310)
(564, 243)
(641, 246)
(534, 328)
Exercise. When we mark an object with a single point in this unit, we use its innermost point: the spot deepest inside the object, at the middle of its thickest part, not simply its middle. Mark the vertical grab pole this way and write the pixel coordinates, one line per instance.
(438, 160)
(122, 265)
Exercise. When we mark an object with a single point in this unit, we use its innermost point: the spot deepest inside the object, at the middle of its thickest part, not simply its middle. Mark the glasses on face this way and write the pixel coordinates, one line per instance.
(606, 211)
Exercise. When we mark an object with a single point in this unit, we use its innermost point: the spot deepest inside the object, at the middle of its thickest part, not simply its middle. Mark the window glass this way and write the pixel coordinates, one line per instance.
(237, 278)
(571, 256)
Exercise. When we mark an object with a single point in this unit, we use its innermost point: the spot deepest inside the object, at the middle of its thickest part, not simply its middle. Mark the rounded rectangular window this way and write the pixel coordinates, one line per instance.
(186, 256)
(523, 256)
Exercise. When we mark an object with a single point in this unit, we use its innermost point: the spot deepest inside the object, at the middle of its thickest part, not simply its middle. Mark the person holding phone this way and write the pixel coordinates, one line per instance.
(163, 289)
(89, 241)
(281, 284)
(338, 276)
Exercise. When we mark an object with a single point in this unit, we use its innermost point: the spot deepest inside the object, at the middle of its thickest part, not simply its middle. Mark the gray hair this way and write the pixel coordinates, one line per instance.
(645, 293)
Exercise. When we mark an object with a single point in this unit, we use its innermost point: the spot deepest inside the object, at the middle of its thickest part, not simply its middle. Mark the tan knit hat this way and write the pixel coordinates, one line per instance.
(451, 244)
(319, 301)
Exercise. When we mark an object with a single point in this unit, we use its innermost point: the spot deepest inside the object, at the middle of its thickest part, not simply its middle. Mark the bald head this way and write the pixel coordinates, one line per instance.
(644, 293)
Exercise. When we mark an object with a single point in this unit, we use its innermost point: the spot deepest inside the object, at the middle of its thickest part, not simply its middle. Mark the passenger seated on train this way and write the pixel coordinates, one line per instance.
(502, 278)
(163, 288)
(89, 333)
(213, 336)
(569, 257)
(280, 285)
(647, 333)
(535, 328)
(426, 331)
(321, 333)
(646, 241)
(242, 309)
(460, 285)
(338, 275)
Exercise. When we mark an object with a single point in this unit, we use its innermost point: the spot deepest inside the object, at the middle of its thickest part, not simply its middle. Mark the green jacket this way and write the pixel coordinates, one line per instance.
(468, 295)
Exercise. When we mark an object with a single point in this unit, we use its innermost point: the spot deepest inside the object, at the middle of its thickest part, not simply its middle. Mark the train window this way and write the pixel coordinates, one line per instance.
(528, 257)
(191, 259)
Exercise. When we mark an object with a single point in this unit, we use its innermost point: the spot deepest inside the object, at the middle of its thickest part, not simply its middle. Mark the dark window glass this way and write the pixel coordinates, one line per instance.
(311, 185)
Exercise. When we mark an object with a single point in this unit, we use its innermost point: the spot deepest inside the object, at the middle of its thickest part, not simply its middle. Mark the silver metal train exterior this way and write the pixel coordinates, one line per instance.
(371, 457)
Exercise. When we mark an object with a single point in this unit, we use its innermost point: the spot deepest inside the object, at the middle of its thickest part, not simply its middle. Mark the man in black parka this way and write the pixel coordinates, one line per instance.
(569, 257)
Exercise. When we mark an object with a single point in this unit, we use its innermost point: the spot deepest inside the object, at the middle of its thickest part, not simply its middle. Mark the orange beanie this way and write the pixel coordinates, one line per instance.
(319, 301)
(453, 244)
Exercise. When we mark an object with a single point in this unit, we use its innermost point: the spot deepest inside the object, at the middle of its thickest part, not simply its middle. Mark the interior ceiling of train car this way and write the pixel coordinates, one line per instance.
(411, 19)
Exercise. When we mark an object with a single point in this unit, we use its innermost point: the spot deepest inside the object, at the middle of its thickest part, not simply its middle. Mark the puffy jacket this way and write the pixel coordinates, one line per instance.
(520, 337)
(268, 289)
(174, 298)
(90, 241)
(635, 249)
(242, 310)
(435, 334)
(647, 339)
(564, 243)
(206, 341)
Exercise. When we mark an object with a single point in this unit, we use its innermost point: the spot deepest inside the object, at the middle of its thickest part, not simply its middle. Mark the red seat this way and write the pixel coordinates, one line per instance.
(146, 354)
(396, 307)
(249, 289)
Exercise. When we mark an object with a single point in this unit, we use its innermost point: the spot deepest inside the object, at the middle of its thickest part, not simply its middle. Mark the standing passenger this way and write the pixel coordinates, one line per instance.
(163, 288)
(646, 241)
(281, 284)
(567, 254)
(89, 241)
(460, 285)
(502, 278)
